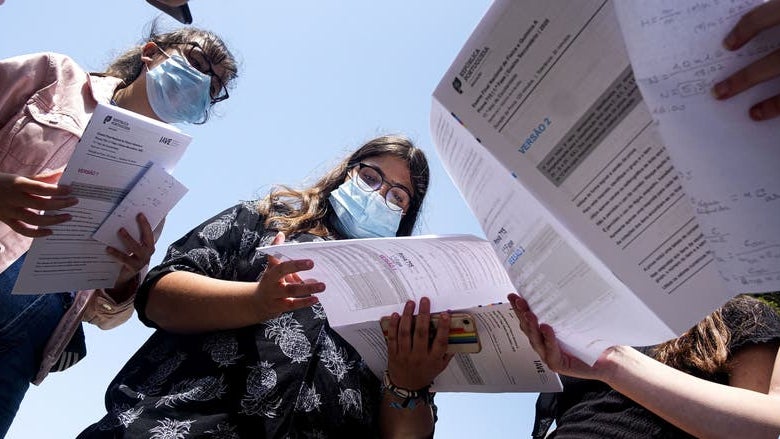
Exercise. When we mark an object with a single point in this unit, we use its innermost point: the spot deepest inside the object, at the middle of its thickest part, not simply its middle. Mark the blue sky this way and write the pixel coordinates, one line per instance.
(317, 79)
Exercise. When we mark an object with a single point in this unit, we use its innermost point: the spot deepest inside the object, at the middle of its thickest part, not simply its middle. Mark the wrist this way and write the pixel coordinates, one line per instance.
(259, 306)
(613, 361)
(407, 378)
(124, 290)
(406, 398)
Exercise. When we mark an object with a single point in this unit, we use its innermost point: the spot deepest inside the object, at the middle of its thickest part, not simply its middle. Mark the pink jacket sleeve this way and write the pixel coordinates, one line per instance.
(105, 313)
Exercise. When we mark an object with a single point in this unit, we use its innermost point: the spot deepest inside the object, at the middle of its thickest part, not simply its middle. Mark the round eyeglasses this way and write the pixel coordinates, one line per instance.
(200, 62)
(371, 179)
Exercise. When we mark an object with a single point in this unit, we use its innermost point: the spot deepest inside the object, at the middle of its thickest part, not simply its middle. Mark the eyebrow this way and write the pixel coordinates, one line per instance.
(392, 183)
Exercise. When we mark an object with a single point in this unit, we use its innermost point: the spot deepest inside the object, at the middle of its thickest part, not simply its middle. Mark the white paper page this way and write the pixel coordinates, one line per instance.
(546, 88)
(154, 195)
(588, 307)
(113, 152)
(369, 278)
(729, 162)
(506, 363)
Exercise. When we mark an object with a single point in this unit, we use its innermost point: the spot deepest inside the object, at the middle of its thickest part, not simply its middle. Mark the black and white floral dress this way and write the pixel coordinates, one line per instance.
(289, 377)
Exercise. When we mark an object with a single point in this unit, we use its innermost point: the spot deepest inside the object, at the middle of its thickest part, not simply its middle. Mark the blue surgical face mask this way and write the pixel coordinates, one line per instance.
(178, 92)
(362, 214)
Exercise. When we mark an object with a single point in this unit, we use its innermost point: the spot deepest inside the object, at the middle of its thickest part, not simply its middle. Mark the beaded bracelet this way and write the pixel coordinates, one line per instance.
(409, 397)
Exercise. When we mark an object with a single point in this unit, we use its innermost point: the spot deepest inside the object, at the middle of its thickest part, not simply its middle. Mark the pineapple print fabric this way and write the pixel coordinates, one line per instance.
(288, 377)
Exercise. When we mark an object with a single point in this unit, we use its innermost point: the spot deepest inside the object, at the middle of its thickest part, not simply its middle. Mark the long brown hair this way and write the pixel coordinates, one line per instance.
(307, 210)
(704, 349)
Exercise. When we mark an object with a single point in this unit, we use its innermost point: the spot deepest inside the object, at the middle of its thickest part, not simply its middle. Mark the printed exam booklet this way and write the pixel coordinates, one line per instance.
(113, 156)
(541, 124)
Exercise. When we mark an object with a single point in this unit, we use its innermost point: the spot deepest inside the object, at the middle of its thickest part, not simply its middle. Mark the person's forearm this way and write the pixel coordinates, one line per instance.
(701, 408)
(185, 302)
(405, 422)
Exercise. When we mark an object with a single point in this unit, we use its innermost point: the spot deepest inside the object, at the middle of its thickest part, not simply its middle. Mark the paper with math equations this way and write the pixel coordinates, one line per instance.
(541, 125)
(154, 195)
(114, 152)
(367, 279)
(728, 162)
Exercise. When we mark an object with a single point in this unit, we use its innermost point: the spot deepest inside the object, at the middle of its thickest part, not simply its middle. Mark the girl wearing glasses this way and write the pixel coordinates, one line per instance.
(46, 100)
(243, 348)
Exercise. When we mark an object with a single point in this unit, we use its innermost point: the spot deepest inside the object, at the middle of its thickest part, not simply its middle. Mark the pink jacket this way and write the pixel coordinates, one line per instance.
(46, 100)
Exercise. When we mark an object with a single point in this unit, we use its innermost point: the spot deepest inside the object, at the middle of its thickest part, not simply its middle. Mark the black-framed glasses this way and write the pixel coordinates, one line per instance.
(200, 62)
(372, 178)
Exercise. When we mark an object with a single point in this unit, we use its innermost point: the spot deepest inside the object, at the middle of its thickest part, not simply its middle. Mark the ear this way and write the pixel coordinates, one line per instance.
(148, 52)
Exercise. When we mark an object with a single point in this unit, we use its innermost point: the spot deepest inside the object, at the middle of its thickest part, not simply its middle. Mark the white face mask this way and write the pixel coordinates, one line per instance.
(178, 92)
(362, 214)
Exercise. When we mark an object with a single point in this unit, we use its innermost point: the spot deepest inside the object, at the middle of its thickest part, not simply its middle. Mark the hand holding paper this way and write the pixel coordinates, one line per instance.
(23, 197)
(280, 288)
(137, 254)
(760, 19)
(413, 361)
(154, 195)
(727, 162)
(371, 278)
(109, 161)
(543, 340)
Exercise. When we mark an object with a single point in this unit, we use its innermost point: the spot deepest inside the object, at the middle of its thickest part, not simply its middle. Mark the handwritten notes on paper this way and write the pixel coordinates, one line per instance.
(728, 162)
(155, 194)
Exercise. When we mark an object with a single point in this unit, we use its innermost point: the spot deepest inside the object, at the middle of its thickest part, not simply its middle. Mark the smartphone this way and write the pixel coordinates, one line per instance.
(181, 13)
(463, 337)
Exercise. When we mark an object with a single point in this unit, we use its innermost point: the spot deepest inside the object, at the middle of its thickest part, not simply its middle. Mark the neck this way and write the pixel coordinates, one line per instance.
(133, 98)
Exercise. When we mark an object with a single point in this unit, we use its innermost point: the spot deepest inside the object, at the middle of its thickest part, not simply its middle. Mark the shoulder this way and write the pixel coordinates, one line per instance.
(242, 212)
(43, 60)
(60, 61)
(246, 215)
(237, 222)
(751, 321)
(249, 209)
(38, 70)
(50, 64)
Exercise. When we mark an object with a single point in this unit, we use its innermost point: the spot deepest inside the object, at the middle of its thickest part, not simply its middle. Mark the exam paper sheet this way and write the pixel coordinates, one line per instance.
(729, 163)
(367, 279)
(545, 91)
(506, 363)
(115, 150)
(154, 195)
(370, 278)
(589, 309)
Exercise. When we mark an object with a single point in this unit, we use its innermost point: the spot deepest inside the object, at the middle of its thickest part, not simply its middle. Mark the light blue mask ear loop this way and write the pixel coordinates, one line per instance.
(177, 92)
(362, 214)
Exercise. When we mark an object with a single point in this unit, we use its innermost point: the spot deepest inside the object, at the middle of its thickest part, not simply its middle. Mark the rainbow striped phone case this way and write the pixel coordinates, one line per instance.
(463, 337)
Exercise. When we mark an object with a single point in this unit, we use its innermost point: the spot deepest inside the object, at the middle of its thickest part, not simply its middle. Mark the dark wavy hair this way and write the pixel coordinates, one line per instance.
(307, 210)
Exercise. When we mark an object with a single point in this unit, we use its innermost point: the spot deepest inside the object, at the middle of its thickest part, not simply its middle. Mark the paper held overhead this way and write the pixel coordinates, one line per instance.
(541, 124)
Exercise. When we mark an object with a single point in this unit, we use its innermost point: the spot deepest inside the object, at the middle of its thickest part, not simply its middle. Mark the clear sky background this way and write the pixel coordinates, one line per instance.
(317, 78)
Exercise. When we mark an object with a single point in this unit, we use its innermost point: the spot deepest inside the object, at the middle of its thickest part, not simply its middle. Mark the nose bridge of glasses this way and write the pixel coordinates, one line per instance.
(373, 180)
(384, 188)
